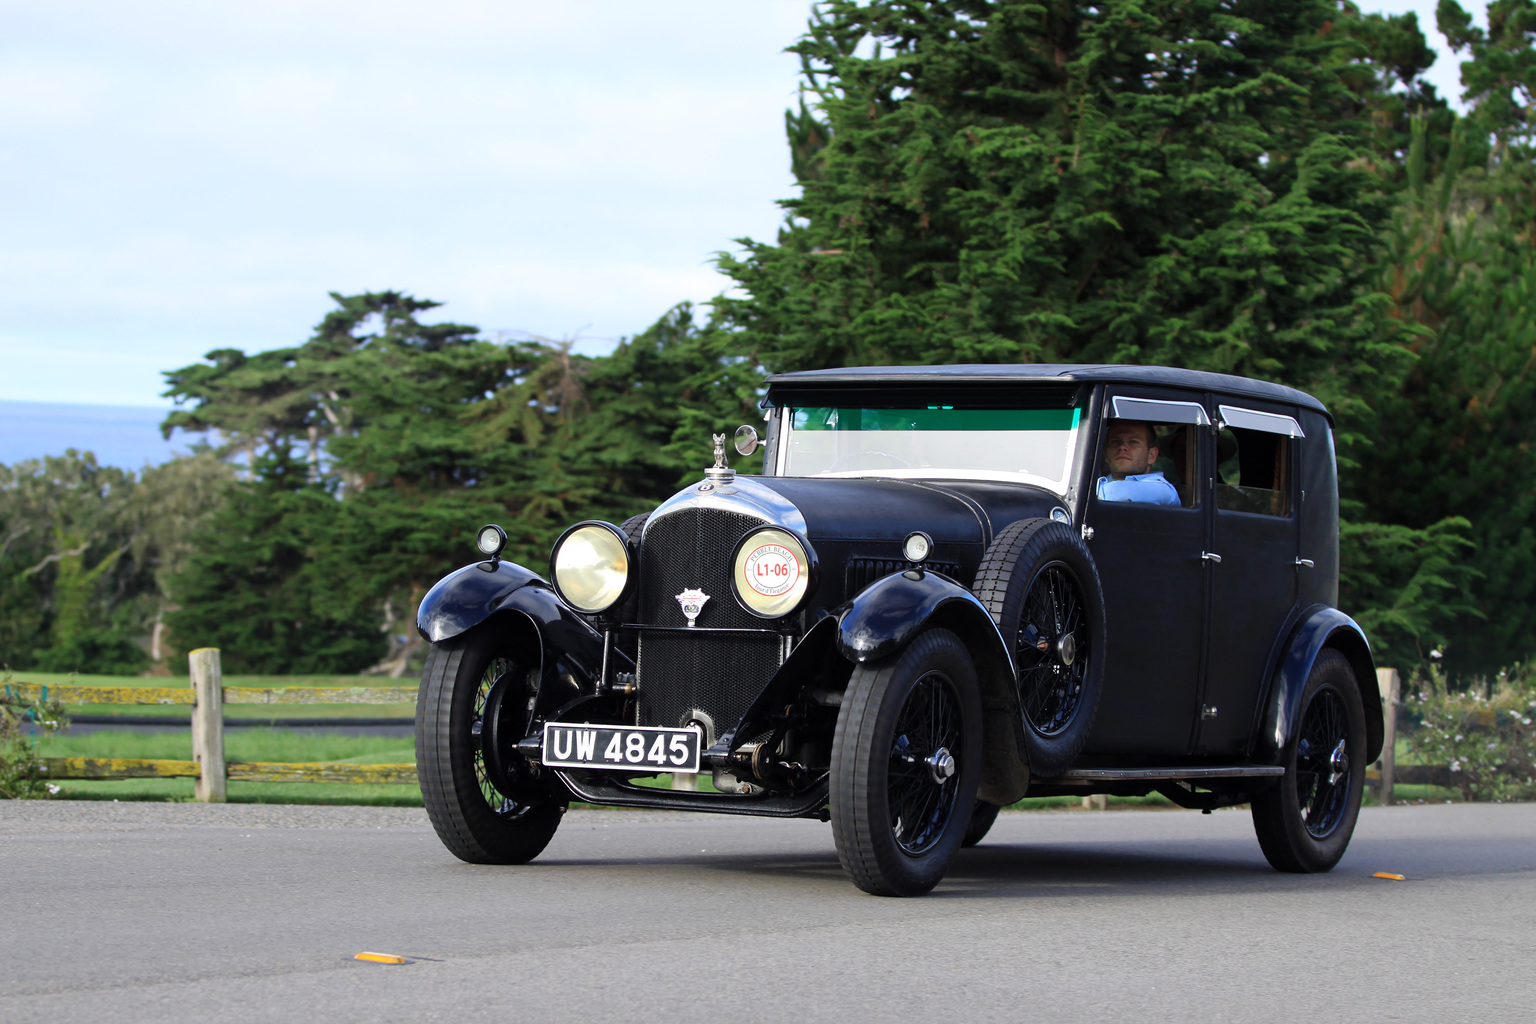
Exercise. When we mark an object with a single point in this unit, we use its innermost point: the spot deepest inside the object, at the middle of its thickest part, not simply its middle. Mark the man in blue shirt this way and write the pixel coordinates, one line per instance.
(1130, 448)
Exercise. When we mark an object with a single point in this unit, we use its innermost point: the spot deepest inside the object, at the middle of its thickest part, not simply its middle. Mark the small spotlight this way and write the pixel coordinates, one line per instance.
(490, 540)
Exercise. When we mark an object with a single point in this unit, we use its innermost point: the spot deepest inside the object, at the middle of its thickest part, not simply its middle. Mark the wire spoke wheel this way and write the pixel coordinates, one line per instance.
(1322, 764)
(486, 802)
(500, 706)
(906, 760)
(1052, 649)
(1305, 821)
(922, 783)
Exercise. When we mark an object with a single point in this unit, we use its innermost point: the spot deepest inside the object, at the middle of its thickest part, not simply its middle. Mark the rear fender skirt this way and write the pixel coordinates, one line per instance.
(890, 613)
(1320, 627)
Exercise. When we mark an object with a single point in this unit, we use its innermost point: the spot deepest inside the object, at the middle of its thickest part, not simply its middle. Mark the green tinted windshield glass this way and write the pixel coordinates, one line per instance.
(1035, 445)
(934, 417)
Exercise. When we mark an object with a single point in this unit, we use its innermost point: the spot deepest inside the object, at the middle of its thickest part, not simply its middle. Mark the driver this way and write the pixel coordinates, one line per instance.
(1130, 448)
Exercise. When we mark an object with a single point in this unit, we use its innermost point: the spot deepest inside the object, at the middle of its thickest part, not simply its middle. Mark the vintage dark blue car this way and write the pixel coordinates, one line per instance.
(952, 587)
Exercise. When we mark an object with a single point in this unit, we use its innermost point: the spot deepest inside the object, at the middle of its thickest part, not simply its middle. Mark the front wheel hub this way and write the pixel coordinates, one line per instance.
(941, 765)
(1338, 763)
(1066, 649)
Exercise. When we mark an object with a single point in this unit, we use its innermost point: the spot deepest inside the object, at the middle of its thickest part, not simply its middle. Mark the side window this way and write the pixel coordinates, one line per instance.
(1151, 451)
(1253, 471)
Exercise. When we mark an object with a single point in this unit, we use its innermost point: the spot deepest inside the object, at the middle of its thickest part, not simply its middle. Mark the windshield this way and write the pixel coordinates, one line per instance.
(1027, 445)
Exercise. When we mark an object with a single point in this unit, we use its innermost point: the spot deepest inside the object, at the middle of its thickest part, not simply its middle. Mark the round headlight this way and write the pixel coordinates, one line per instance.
(772, 572)
(916, 547)
(590, 565)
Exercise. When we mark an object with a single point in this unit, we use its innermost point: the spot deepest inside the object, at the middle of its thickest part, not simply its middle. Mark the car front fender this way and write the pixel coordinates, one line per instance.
(890, 613)
(1320, 627)
(467, 597)
(570, 651)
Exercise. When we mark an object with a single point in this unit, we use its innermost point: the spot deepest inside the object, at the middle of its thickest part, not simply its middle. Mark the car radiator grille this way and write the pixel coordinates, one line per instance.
(717, 673)
(861, 572)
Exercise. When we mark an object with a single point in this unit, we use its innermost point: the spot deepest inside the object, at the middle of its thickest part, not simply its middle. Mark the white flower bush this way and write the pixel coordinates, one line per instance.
(1487, 740)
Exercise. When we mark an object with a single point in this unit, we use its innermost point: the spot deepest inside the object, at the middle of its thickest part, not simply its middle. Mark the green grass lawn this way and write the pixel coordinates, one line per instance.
(253, 744)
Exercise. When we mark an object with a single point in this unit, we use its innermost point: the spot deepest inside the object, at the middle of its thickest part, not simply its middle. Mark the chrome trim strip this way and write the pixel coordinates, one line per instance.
(1252, 419)
(1159, 410)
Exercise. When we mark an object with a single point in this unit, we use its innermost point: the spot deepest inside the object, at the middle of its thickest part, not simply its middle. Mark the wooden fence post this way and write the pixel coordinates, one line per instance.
(1388, 681)
(208, 724)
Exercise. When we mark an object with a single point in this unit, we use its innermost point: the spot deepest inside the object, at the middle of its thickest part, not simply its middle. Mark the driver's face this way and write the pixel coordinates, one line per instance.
(1126, 451)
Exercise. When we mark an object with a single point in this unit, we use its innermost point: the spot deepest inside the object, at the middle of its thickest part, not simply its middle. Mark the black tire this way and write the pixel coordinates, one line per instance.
(632, 526)
(896, 820)
(983, 817)
(1042, 587)
(481, 796)
(1304, 824)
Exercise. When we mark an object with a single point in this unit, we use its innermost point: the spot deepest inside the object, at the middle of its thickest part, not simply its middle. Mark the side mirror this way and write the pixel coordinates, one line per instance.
(746, 440)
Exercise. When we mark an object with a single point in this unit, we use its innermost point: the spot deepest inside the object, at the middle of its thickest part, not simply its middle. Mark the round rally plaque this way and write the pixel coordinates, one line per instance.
(771, 569)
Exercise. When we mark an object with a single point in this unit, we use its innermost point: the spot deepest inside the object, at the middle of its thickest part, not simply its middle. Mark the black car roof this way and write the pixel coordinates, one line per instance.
(1010, 373)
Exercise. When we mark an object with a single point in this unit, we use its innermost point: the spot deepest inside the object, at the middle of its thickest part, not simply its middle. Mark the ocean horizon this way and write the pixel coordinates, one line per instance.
(126, 436)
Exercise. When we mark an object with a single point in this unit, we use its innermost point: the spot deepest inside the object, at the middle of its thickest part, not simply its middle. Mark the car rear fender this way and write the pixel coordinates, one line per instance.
(892, 611)
(1320, 627)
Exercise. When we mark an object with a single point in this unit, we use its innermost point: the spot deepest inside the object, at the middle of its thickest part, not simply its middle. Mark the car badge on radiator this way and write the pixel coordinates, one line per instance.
(693, 603)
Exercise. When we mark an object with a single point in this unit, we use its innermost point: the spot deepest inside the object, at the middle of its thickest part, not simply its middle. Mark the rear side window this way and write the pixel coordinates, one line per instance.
(1253, 471)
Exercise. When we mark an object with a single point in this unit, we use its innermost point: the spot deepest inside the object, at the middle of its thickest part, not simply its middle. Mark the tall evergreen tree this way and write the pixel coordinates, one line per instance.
(1169, 181)
(1457, 436)
(381, 444)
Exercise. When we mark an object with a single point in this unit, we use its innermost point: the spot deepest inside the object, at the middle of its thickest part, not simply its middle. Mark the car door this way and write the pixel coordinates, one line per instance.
(1149, 560)
(1255, 534)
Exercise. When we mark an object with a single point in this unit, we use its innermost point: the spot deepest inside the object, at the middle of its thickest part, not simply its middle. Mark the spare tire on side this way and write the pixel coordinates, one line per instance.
(1042, 587)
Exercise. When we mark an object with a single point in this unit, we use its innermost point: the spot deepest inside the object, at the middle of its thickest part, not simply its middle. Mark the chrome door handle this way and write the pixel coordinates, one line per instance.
(1210, 556)
(1306, 562)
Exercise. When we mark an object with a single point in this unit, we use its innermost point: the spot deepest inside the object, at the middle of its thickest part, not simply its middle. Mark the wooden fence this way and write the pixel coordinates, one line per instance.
(207, 695)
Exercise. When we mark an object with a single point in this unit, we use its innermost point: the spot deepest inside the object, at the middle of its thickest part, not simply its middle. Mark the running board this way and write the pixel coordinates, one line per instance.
(1085, 776)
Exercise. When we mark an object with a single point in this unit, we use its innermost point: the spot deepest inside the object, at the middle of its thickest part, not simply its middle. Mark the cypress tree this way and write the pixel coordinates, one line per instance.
(1186, 182)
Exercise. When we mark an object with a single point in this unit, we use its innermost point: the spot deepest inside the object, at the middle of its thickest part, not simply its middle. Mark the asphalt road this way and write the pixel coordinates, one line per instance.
(185, 912)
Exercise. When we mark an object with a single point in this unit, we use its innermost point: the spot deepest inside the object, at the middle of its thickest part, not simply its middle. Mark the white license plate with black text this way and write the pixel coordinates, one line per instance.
(622, 746)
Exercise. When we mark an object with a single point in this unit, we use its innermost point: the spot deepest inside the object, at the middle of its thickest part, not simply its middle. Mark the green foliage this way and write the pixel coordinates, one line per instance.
(84, 549)
(19, 778)
(262, 584)
(1406, 586)
(1452, 435)
(1145, 181)
(1487, 738)
(381, 444)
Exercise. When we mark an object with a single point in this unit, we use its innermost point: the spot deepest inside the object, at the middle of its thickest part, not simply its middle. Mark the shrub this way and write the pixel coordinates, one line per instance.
(1484, 733)
(19, 776)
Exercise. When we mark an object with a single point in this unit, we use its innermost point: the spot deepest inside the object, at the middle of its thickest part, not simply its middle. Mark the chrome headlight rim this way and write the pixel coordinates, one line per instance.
(797, 596)
(601, 602)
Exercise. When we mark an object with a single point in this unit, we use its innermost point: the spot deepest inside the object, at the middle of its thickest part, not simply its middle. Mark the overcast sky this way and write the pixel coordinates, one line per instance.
(184, 176)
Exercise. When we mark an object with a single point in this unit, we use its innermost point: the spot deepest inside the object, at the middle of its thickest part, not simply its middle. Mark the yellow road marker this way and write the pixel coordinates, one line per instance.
(1385, 874)
(381, 958)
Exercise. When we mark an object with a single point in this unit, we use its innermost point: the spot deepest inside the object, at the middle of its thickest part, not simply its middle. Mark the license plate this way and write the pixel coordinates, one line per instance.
(622, 746)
